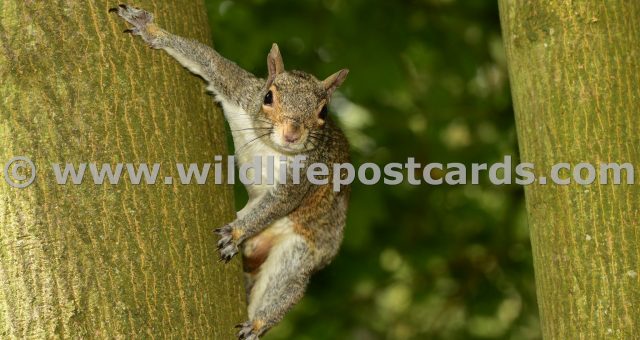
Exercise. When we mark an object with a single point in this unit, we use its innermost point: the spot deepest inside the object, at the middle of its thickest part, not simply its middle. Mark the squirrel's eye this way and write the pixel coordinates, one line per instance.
(323, 113)
(268, 99)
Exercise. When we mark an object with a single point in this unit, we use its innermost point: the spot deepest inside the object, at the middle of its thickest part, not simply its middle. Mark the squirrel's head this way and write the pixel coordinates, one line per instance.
(295, 103)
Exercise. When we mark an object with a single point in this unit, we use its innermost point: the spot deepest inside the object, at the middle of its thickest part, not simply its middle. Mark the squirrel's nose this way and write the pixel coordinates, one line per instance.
(291, 138)
(291, 132)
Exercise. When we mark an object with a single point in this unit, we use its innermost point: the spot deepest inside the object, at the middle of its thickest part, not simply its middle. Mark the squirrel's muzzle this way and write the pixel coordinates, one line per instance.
(291, 132)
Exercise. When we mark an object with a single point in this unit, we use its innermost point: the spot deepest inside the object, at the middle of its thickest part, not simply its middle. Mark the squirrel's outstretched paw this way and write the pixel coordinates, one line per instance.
(247, 331)
(137, 17)
(226, 245)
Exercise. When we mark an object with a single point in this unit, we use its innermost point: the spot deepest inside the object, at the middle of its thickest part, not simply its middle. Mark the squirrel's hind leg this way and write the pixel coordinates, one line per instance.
(249, 280)
(279, 285)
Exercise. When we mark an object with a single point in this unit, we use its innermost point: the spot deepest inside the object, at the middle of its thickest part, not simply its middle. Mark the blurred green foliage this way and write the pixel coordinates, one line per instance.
(428, 80)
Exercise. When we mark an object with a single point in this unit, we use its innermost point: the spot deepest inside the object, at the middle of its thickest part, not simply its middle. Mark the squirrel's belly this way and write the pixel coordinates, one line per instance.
(256, 249)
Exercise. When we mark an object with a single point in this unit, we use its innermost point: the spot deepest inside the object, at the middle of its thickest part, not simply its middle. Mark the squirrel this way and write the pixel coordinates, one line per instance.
(287, 231)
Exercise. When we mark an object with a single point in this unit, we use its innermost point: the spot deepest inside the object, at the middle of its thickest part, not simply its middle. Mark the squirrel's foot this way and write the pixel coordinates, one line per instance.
(141, 20)
(227, 244)
(249, 330)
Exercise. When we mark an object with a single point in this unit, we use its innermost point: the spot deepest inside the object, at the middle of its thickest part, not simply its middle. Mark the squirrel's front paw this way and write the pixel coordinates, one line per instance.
(227, 244)
(140, 19)
(248, 331)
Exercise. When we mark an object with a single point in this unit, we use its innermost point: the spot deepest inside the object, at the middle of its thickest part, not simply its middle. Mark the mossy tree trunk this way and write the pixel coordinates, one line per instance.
(575, 78)
(116, 261)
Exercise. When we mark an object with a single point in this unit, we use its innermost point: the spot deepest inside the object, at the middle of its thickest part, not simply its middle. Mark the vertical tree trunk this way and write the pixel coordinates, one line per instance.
(575, 77)
(84, 261)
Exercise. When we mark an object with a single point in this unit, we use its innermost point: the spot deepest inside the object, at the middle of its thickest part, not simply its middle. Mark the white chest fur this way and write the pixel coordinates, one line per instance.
(249, 144)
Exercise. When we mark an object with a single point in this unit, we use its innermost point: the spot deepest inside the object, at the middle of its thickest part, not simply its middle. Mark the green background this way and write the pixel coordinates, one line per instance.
(428, 80)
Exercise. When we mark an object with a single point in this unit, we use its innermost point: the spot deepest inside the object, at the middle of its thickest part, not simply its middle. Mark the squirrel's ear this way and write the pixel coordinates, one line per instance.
(334, 81)
(274, 62)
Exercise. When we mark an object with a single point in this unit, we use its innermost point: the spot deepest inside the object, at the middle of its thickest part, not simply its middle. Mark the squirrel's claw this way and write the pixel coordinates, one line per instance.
(228, 252)
(226, 245)
(133, 15)
(115, 9)
(247, 332)
(141, 22)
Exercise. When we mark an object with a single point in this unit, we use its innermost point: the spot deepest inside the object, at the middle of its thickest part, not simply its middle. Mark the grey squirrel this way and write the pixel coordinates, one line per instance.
(286, 231)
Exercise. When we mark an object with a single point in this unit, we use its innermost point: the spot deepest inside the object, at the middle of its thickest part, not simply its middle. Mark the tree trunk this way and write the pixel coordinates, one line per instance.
(116, 261)
(574, 69)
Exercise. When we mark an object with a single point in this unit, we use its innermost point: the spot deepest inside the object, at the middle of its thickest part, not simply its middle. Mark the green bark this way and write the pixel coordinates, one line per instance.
(574, 68)
(84, 261)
